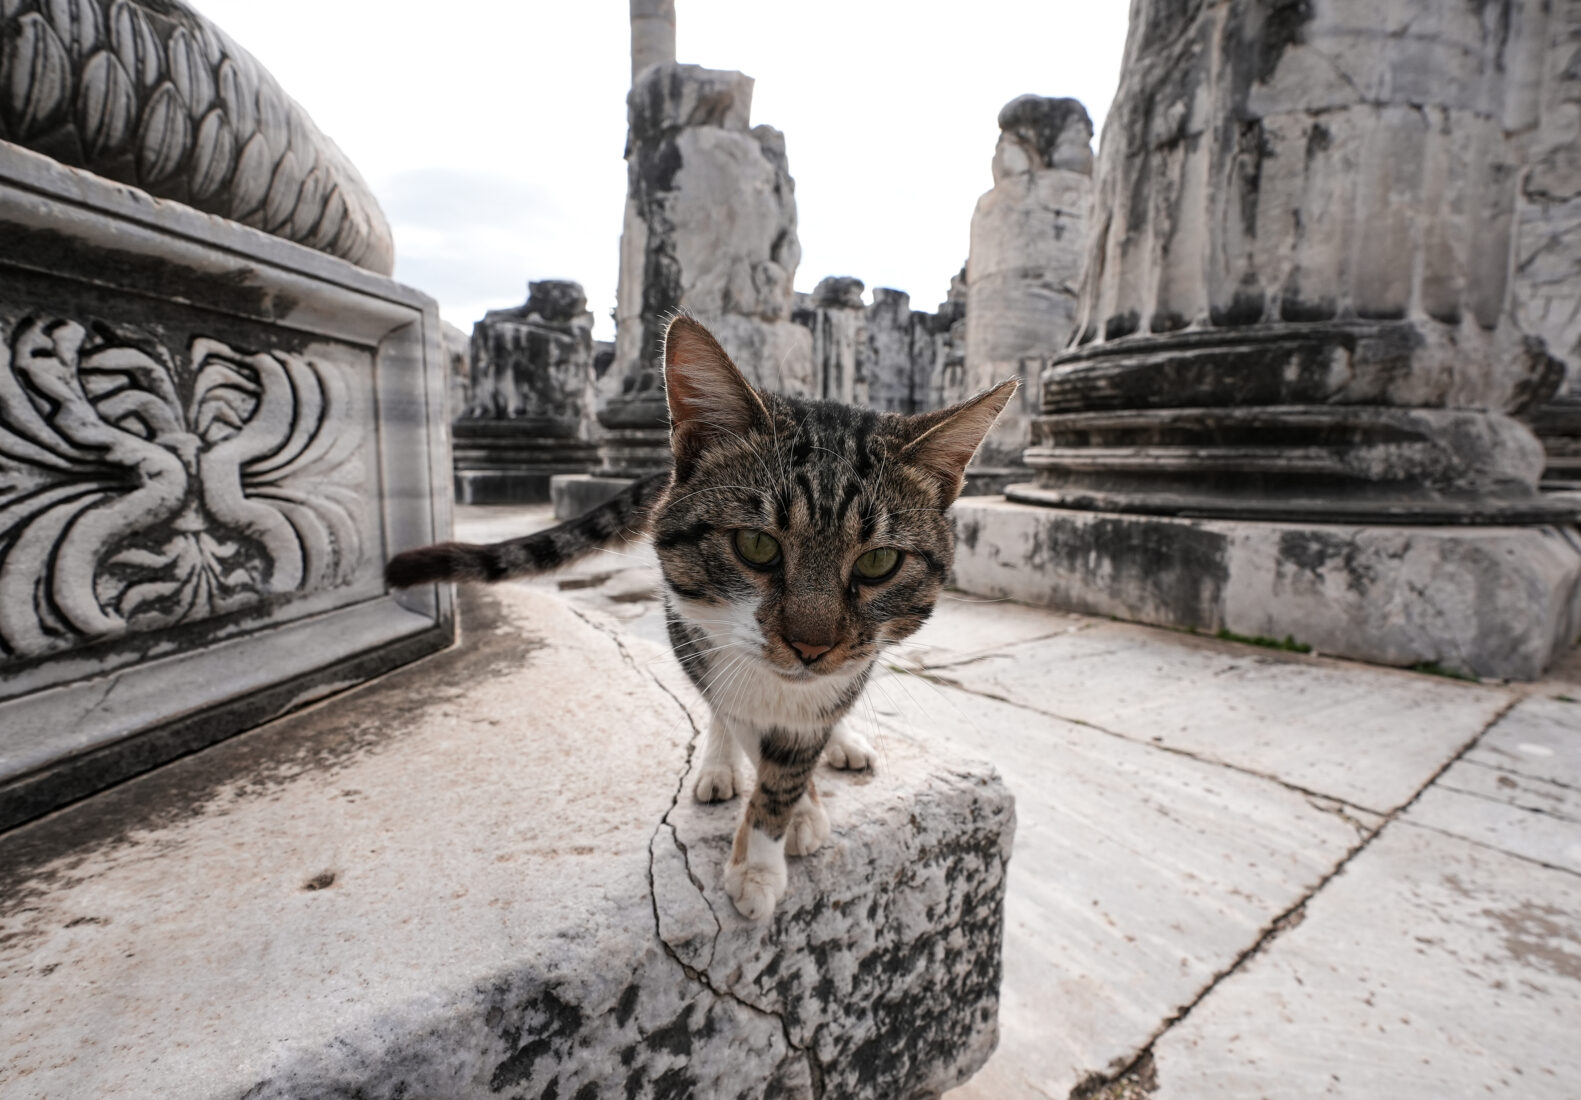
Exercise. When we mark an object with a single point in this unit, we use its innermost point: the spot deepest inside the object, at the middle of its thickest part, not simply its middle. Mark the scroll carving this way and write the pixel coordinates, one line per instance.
(155, 96)
(130, 501)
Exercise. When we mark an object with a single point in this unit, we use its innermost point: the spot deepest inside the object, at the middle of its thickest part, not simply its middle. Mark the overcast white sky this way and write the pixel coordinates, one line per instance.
(492, 130)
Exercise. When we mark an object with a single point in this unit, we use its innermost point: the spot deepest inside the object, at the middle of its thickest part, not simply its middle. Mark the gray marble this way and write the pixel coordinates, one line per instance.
(198, 488)
(153, 95)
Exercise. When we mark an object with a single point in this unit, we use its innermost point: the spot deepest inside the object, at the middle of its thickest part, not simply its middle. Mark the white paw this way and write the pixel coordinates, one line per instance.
(715, 783)
(849, 751)
(755, 888)
(808, 829)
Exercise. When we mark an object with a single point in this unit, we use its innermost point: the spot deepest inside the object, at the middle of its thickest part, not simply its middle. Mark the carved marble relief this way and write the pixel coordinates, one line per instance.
(154, 95)
(138, 490)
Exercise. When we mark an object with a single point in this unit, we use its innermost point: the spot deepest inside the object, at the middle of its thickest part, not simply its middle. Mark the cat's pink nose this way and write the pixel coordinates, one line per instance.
(810, 652)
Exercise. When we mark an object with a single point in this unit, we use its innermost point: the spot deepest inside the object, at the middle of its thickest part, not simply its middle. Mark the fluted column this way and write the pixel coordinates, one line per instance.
(1297, 300)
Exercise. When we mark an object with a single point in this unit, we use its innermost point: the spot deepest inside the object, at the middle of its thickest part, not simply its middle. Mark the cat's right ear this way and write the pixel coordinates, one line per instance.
(708, 397)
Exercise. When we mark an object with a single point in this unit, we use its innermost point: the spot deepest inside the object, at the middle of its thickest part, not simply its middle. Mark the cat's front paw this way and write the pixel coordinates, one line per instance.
(849, 751)
(808, 829)
(755, 888)
(715, 783)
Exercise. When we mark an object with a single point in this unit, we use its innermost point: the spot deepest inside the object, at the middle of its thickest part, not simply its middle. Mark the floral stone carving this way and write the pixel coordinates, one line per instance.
(130, 502)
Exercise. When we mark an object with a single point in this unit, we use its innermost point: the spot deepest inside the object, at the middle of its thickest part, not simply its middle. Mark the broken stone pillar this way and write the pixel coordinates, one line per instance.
(948, 381)
(1548, 240)
(1293, 398)
(652, 34)
(532, 387)
(1024, 273)
(836, 316)
(458, 366)
(710, 228)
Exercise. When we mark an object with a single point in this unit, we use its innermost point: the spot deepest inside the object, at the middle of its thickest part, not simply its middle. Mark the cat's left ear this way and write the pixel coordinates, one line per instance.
(708, 397)
(949, 438)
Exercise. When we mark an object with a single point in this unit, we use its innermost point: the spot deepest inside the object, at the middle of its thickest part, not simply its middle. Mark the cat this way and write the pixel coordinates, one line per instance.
(797, 539)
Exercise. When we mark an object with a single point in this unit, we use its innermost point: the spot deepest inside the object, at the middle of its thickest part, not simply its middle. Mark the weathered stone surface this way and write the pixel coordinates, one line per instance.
(1139, 875)
(1028, 248)
(1519, 788)
(1294, 232)
(652, 34)
(1496, 601)
(836, 316)
(1548, 234)
(530, 417)
(458, 366)
(153, 95)
(1428, 968)
(710, 227)
(209, 439)
(1367, 736)
(514, 923)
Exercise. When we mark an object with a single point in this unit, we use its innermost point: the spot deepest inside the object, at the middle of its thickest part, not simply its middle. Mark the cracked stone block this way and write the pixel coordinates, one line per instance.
(484, 876)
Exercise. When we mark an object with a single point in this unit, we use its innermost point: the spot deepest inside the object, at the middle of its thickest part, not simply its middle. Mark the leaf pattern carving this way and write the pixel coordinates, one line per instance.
(152, 94)
(126, 506)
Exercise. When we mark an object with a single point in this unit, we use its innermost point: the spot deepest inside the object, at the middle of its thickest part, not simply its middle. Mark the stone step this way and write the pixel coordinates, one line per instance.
(484, 874)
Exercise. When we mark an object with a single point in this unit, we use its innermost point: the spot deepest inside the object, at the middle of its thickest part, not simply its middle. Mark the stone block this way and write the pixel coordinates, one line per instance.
(574, 494)
(1487, 601)
(485, 876)
(210, 441)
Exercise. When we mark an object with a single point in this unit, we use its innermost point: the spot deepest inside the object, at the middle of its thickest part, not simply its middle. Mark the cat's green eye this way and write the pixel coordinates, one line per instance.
(875, 565)
(757, 548)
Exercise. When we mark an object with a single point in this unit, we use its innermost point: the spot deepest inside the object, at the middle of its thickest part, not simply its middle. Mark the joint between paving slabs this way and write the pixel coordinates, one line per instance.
(1329, 803)
(1140, 1067)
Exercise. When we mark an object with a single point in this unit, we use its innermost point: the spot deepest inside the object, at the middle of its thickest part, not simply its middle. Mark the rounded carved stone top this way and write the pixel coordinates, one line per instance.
(1053, 133)
(149, 93)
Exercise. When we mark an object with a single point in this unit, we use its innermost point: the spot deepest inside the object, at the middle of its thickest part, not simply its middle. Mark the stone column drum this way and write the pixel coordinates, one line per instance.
(1024, 272)
(1548, 240)
(528, 417)
(1291, 410)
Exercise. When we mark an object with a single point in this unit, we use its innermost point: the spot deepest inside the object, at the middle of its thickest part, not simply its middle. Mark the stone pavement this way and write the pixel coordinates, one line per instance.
(1241, 872)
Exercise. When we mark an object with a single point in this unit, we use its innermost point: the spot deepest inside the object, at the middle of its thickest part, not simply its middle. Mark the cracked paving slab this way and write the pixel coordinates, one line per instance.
(1139, 875)
(1429, 967)
(1365, 735)
(448, 882)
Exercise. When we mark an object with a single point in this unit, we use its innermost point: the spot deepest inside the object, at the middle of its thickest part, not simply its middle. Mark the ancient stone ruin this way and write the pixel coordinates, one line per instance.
(528, 415)
(1024, 273)
(213, 430)
(1293, 397)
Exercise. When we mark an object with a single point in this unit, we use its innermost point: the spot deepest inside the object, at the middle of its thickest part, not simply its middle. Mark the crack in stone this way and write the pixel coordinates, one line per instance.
(701, 977)
(1091, 1085)
(944, 681)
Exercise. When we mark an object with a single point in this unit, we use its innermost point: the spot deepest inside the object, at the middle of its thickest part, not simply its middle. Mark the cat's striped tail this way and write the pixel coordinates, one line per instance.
(622, 516)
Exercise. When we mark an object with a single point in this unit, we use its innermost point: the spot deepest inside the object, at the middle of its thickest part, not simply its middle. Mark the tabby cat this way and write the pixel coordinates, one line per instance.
(797, 539)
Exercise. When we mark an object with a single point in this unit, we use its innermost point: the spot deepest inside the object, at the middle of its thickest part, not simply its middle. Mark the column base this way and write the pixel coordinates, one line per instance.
(1499, 602)
(511, 462)
(574, 494)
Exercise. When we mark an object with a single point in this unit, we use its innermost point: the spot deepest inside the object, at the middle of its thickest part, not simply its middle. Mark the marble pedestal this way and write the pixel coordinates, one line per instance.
(210, 442)
(511, 462)
(1497, 602)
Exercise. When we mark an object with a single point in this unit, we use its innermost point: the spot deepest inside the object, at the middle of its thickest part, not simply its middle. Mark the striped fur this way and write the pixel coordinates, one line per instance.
(623, 516)
(781, 651)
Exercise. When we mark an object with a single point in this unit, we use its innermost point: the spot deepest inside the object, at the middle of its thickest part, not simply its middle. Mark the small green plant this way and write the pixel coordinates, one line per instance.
(1433, 668)
(1565, 698)
(1288, 644)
